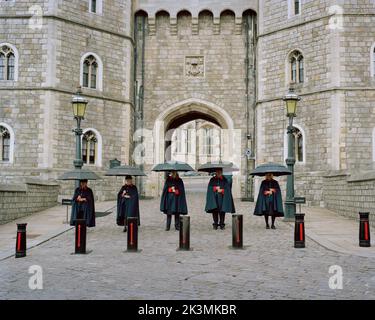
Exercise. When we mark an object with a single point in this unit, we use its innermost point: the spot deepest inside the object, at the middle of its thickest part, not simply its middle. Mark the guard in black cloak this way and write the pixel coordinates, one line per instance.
(173, 200)
(269, 201)
(127, 203)
(83, 205)
(219, 199)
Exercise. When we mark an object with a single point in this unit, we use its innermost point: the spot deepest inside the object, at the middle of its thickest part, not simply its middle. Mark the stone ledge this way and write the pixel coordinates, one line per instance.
(336, 173)
(41, 182)
(13, 188)
(363, 176)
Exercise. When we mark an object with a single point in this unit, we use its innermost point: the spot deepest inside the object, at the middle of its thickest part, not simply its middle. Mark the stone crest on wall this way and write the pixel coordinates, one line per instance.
(194, 67)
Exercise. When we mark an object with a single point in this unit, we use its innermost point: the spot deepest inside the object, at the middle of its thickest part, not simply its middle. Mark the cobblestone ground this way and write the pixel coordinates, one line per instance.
(269, 268)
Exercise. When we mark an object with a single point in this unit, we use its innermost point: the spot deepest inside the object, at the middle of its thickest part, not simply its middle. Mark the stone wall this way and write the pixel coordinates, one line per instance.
(38, 106)
(350, 194)
(19, 200)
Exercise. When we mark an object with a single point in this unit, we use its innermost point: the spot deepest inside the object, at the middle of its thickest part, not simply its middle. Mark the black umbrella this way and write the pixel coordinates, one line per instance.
(172, 166)
(125, 171)
(274, 168)
(79, 174)
(212, 166)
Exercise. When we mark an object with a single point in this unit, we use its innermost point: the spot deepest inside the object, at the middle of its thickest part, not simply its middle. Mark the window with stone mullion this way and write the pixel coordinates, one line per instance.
(93, 69)
(10, 66)
(86, 67)
(294, 70)
(301, 69)
(2, 66)
(4, 144)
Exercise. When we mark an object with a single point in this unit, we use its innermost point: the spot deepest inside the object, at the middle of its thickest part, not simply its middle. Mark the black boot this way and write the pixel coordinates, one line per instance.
(125, 229)
(215, 216)
(222, 220)
(169, 219)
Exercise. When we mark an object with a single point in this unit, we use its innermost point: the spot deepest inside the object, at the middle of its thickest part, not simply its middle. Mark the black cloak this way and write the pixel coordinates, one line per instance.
(173, 202)
(219, 202)
(127, 207)
(84, 210)
(269, 204)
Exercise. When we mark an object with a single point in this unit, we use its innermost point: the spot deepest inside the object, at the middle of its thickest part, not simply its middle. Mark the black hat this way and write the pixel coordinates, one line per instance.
(83, 180)
(128, 177)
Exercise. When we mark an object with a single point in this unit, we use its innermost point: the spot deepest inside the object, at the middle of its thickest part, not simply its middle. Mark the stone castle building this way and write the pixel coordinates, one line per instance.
(148, 68)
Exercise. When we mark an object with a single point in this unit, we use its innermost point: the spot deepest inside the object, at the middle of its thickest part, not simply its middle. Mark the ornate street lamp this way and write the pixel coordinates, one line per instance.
(79, 105)
(291, 100)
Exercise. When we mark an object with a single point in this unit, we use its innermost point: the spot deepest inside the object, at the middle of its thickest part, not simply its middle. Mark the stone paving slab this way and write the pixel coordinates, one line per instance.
(41, 227)
(269, 268)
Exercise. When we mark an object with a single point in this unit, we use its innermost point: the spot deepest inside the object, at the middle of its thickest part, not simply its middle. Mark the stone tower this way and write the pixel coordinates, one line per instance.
(196, 60)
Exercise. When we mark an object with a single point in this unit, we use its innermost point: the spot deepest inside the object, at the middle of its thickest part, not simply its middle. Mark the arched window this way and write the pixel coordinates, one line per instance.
(91, 72)
(297, 67)
(299, 145)
(91, 147)
(7, 62)
(6, 143)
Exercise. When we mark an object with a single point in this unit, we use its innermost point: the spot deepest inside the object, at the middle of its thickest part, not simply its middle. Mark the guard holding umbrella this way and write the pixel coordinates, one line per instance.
(83, 199)
(269, 202)
(219, 200)
(127, 197)
(127, 203)
(173, 198)
(83, 205)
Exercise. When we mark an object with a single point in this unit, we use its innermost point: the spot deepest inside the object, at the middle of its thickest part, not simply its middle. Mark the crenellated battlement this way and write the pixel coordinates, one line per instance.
(195, 17)
(205, 23)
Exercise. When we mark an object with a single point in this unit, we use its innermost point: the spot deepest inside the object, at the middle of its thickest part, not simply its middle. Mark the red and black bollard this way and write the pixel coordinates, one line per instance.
(299, 231)
(364, 230)
(21, 240)
(237, 231)
(80, 246)
(132, 234)
(184, 233)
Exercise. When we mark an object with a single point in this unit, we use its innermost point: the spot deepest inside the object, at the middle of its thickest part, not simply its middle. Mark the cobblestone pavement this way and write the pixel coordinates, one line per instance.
(269, 267)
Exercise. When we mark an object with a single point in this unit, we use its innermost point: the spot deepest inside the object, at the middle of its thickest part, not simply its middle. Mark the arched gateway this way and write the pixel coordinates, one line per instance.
(177, 115)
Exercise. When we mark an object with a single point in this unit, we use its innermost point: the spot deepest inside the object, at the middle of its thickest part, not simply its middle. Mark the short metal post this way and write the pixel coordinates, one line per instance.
(299, 231)
(132, 233)
(80, 243)
(21, 240)
(364, 230)
(184, 233)
(237, 231)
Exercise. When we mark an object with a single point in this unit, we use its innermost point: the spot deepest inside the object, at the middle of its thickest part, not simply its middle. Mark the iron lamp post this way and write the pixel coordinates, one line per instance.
(79, 105)
(291, 100)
